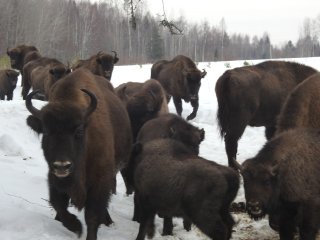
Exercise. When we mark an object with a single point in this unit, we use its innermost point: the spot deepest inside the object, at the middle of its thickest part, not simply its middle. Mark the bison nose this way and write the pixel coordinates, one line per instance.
(107, 74)
(62, 168)
(254, 208)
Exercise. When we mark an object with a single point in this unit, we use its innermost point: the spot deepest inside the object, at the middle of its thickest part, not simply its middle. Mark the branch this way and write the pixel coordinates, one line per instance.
(174, 30)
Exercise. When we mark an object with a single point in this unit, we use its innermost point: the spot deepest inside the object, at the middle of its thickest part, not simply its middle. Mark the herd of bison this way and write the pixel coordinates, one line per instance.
(91, 131)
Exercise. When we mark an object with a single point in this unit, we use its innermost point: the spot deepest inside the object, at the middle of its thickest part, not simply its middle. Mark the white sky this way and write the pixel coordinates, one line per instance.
(281, 19)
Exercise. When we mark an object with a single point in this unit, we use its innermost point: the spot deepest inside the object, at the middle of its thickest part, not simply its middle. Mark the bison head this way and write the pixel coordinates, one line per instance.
(185, 132)
(18, 54)
(59, 71)
(106, 63)
(12, 77)
(260, 186)
(193, 82)
(63, 126)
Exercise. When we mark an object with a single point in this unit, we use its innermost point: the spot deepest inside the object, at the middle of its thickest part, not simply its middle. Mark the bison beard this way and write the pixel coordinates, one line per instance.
(80, 147)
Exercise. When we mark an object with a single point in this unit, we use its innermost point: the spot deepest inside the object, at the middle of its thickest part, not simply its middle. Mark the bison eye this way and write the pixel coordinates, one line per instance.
(79, 132)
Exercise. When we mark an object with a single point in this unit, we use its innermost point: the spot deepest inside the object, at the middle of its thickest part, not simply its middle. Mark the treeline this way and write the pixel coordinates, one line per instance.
(69, 30)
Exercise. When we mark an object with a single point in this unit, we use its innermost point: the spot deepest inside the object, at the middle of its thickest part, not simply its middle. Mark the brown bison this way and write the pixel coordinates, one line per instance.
(21, 55)
(43, 77)
(86, 140)
(28, 59)
(144, 101)
(100, 64)
(301, 108)
(173, 127)
(283, 180)
(253, 95)
(181, 79)
(172, 181)
(8, 82)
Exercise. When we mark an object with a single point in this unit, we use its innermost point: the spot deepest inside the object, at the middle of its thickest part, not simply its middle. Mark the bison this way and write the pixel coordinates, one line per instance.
(173, 127)
(283, 180)
(27, 59)
(253, 95)
(21, 55)
(8, 82)
(86, 140)
(100, 64)
(172, 181)
(144, 101)
(43, 77)
(181, 79)
(301, 108)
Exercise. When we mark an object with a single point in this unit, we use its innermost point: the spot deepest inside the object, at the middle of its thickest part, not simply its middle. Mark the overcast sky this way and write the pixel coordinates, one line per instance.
(281, 19)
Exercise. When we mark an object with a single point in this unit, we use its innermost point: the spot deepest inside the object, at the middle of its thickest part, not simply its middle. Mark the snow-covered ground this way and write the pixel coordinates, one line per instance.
(24, 209)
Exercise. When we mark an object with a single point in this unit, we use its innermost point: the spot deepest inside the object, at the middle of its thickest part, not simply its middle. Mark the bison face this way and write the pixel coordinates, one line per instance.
(12, 77)
(64, 133)
(190, 135)
(59, 72)
(106, 63)
(260, 186)
(16, 58)
(193, 83)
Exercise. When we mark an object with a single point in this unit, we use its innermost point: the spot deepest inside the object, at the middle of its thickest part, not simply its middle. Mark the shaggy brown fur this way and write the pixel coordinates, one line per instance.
(174, 182)
(301, 108)
(181, 79)
(27, 59)
(144, 101)
(84, 146)
(283, 180)
(8, 82)
(100, 64)
(253, 95)
(43, 77)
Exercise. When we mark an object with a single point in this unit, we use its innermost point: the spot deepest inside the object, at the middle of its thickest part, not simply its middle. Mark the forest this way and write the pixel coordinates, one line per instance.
(69, 30)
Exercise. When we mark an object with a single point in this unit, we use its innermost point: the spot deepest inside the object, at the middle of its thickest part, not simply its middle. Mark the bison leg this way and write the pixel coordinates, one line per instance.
(59, 202)
(287, 224)
(269, 132)
(231, 144)
(167, 226)
(96, 211)
(195, 105)
(187, 224)
(178, 105)
(310, 221)
(125, 172)
(2, 96)
(9, 96)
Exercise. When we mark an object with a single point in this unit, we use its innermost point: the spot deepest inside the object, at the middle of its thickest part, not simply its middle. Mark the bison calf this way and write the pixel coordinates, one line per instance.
(282, 180)
(174, 182)
(8, 82)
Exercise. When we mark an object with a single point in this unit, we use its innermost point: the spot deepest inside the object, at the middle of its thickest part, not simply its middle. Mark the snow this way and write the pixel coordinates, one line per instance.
(25, 211)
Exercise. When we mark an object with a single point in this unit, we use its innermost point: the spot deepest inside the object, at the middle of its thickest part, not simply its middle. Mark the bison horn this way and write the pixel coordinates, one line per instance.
(115, 54)
(93, 103)
(203, 73)
(35, 112)
(237, 165)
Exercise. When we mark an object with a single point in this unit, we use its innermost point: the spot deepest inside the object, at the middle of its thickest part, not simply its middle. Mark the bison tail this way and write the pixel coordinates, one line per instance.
(222, 93)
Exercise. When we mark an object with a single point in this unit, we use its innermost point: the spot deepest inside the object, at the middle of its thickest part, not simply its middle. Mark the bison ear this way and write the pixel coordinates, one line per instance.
(35, 124)
(98, 60)
(51, 71)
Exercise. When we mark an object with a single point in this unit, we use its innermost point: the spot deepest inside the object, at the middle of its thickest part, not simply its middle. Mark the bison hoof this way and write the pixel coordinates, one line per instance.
(73, 224)
(187, 225)
(239, 207)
